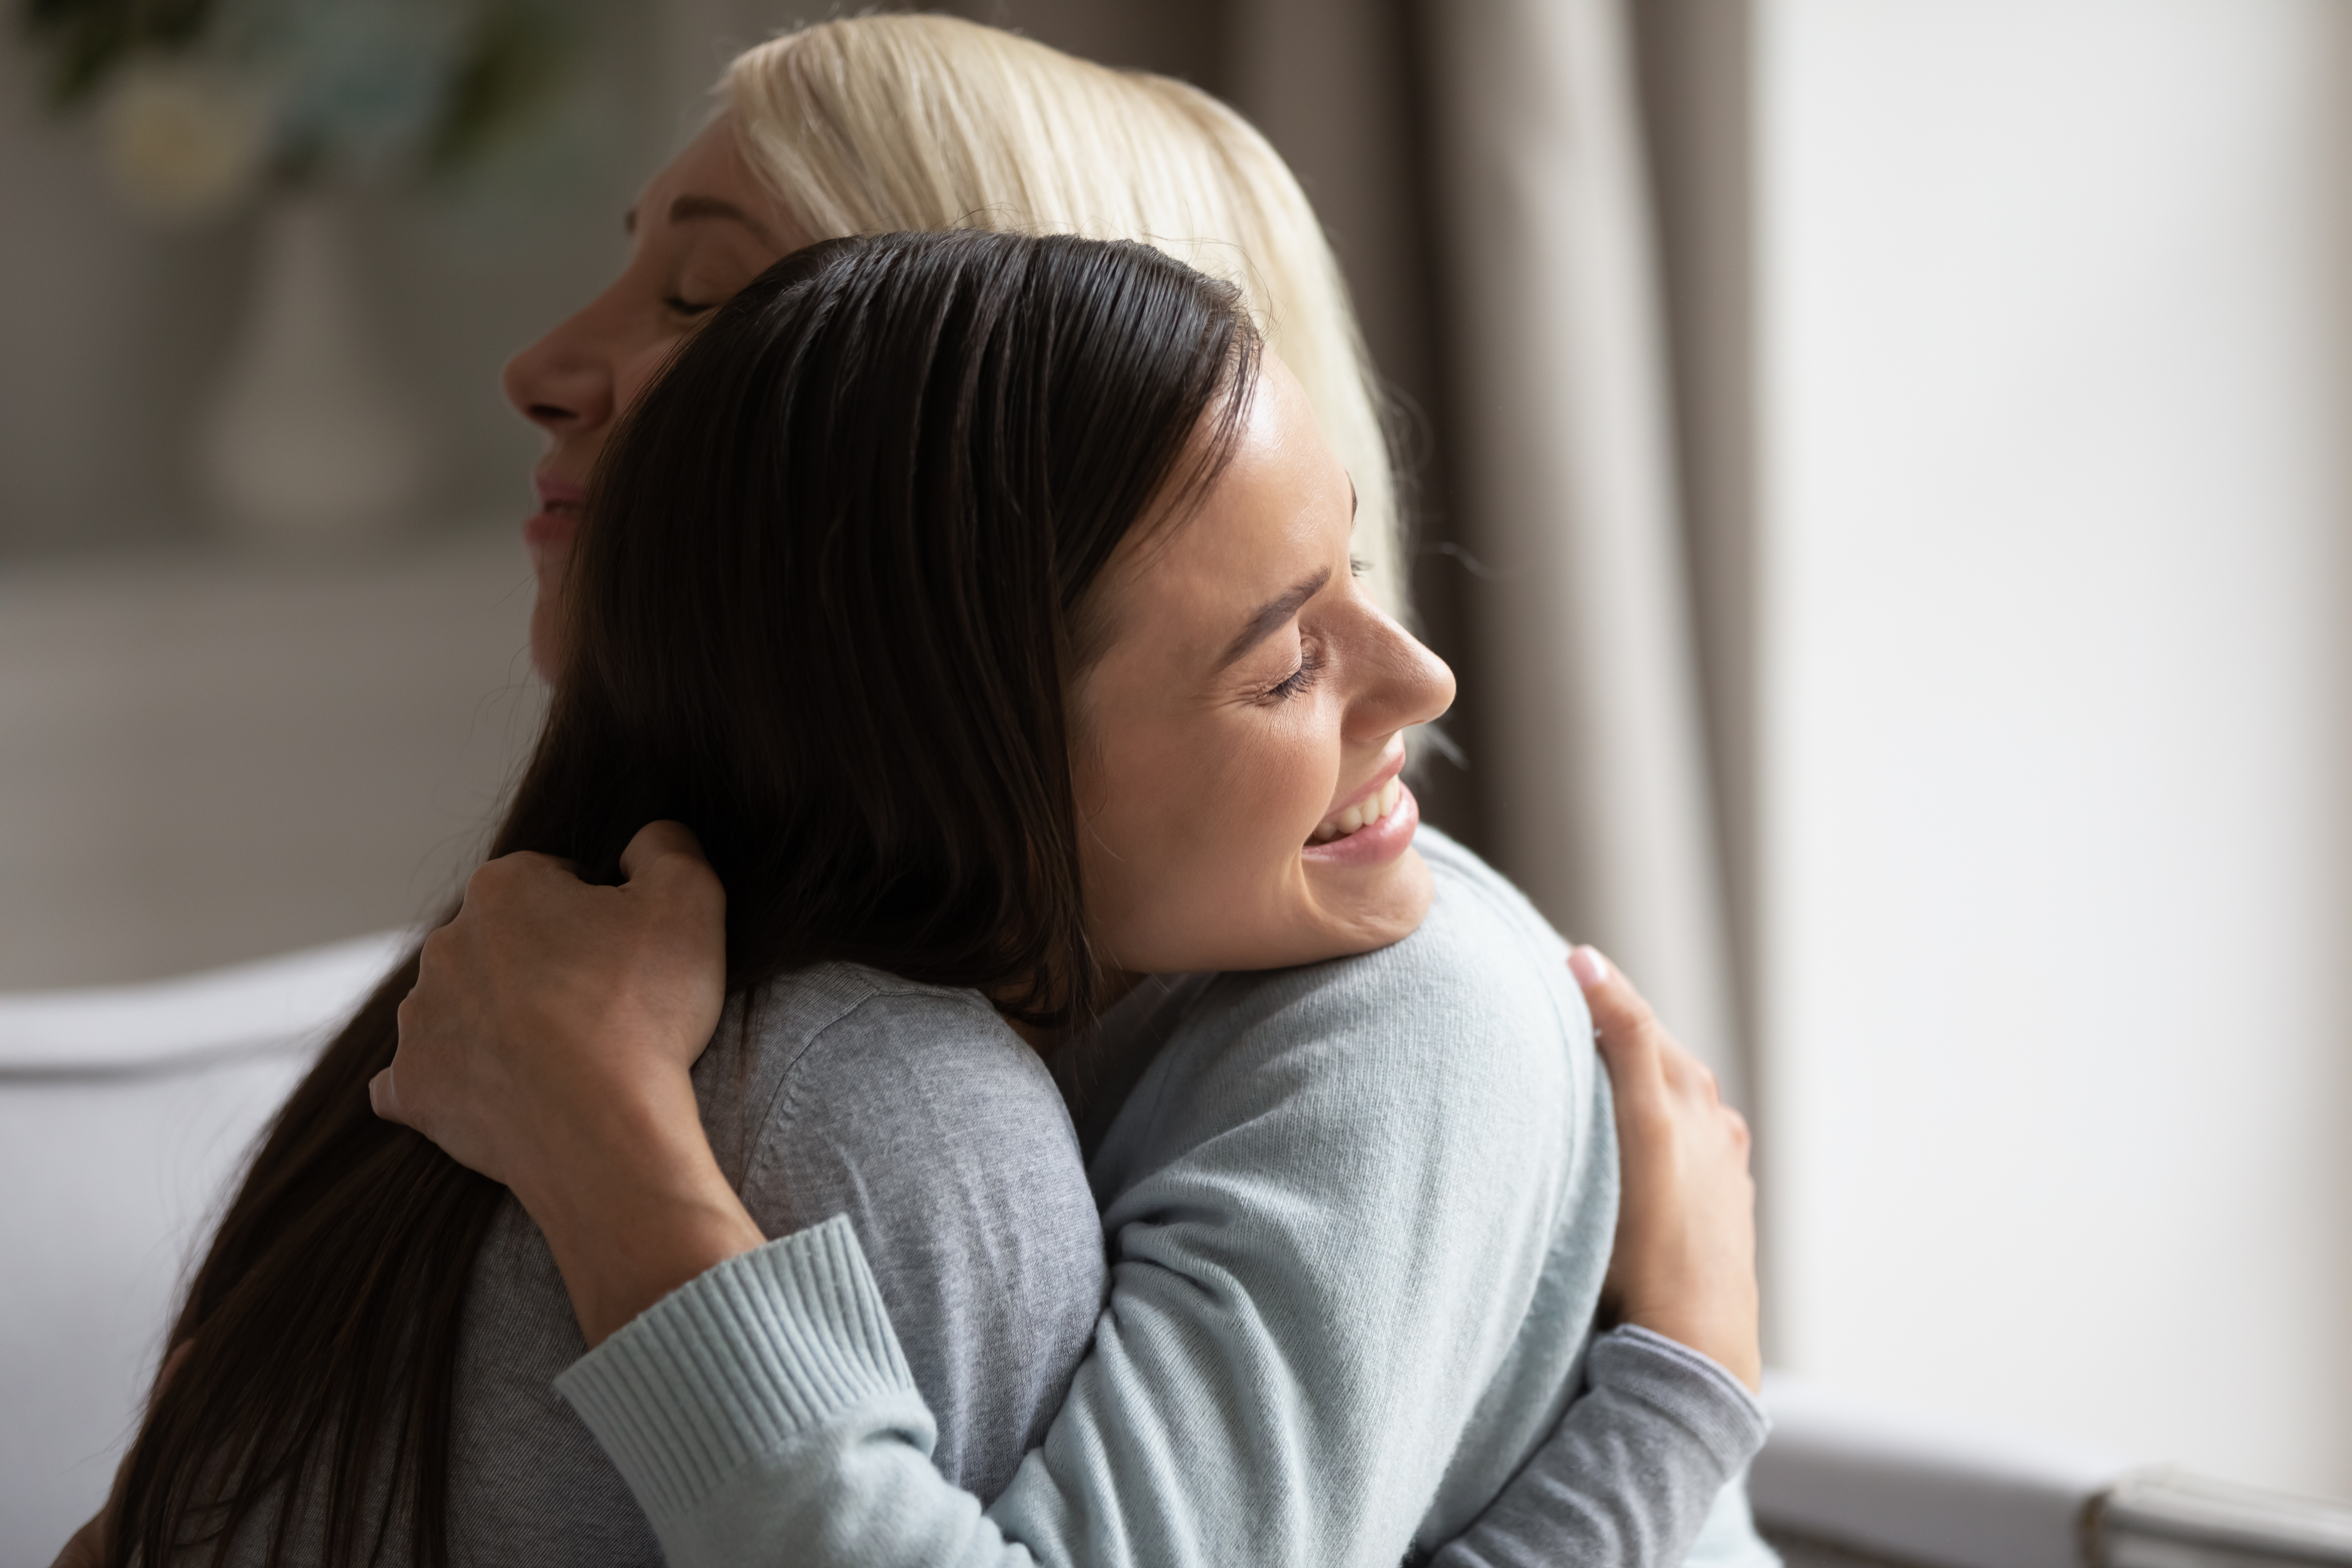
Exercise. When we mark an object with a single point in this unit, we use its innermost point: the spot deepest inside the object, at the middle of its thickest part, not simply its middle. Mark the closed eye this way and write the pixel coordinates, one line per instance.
(688, 307)
(1310, 666)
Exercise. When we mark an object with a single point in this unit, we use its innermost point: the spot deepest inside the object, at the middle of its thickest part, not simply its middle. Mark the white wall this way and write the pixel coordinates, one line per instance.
(2054, 784)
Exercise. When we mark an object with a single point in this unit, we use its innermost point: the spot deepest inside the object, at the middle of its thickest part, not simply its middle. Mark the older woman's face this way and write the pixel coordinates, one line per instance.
(1239, 742)
(703, 230)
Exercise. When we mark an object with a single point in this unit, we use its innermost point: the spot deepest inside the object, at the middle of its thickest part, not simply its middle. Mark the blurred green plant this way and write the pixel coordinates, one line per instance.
(203, 103)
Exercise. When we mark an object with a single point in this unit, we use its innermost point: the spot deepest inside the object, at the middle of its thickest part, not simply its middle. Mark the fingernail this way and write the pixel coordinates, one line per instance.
(1588, 967)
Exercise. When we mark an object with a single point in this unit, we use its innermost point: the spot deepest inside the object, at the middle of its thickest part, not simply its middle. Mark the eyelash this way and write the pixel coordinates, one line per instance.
(686, 307)
(1310, 665)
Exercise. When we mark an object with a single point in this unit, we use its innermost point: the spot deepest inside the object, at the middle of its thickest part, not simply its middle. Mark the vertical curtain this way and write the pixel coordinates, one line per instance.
(1593, 735)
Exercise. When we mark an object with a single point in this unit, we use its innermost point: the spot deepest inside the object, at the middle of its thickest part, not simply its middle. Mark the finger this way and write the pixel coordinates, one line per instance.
(532, 857)
(1629, 1034)
(655, 843)
(1689, 1076)
(1617, 1008)
(521, 868)
(382, 1099)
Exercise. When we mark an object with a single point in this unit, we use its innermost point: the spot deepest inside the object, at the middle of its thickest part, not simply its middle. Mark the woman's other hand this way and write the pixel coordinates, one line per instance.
(548, 1043)
(1684, 1262)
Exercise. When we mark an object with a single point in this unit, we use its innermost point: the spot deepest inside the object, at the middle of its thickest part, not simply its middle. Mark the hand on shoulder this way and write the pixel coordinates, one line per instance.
(1684, 1261)
(548, 1045)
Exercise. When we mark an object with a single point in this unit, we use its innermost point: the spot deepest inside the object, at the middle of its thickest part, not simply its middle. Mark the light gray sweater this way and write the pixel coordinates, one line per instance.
(909, 1112)
(1360, 1214)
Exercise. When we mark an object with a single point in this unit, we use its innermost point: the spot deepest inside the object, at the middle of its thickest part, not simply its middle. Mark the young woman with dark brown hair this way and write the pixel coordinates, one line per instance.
(985, 604)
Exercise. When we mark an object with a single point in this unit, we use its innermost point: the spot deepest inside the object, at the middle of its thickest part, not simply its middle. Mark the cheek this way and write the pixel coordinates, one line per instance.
(1197, 833)
(634, 373)
(1188, 793)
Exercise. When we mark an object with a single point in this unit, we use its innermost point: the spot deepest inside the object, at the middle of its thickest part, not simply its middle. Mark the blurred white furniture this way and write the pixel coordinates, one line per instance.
(125, 1109)
(123, 1112)
(1847, 1481)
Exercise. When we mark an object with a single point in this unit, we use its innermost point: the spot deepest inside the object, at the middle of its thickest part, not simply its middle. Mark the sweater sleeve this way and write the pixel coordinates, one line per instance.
(763, 1413)
(1634, 1469)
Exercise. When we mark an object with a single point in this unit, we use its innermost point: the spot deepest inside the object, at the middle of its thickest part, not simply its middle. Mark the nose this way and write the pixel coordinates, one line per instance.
(563, 382)
(1403, 684)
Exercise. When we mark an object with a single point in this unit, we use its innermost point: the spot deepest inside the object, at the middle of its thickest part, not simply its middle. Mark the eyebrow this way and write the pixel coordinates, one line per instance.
(1271, 614)
(691, 208)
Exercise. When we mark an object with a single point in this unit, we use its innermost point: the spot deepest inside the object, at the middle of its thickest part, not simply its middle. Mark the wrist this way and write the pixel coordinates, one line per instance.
(620, 1249)
(632, 1204)
(1732, 1345)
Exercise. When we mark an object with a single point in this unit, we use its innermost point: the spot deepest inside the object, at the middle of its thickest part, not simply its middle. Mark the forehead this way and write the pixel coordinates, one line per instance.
(1281, 510)
(712, 165)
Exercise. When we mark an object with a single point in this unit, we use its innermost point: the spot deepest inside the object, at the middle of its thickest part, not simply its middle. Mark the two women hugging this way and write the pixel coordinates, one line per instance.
(963, 1051)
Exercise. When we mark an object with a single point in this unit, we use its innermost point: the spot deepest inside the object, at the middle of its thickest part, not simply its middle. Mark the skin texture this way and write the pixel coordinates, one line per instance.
(703, 228)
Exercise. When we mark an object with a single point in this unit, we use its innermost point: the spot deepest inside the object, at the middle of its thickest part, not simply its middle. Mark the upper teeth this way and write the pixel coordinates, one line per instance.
(1370, 809)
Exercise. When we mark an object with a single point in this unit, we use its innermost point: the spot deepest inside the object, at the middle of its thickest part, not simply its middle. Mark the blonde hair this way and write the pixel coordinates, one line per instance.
(875, 124)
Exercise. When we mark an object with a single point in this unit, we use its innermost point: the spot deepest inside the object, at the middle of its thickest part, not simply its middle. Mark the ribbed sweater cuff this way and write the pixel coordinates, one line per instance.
(1694, 1390)
(735, 1363)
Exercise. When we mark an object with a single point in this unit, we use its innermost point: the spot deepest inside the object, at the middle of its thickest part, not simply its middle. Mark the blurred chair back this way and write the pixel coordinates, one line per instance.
(125, 1113)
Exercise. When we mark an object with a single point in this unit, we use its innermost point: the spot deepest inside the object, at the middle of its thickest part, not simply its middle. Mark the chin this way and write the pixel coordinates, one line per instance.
(545, 646)
(1395, 909)
(1356, 912)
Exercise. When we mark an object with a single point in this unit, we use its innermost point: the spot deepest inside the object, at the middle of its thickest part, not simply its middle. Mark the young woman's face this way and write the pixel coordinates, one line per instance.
(1238, 744)
(703, 230)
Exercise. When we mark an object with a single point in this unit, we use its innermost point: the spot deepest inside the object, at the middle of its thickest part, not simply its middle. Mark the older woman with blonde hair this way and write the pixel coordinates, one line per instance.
(1357, 1173)
(882, 124)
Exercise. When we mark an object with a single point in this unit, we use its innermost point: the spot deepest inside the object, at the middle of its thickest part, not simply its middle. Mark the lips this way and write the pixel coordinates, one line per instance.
(1374, 824)
(553, 526)
(1368, 803)
(1377, 843)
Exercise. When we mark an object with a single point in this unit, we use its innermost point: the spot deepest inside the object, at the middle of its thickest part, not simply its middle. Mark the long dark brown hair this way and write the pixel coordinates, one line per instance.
(828, 600)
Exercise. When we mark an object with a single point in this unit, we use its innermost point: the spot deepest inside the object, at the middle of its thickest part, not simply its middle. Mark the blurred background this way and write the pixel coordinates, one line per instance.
(1876, 466)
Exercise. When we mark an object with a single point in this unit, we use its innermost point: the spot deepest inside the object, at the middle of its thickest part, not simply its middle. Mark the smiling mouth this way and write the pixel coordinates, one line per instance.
(1372, 809)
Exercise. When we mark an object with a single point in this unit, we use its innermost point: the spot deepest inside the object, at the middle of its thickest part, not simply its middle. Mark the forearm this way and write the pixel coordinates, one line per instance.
(765, 1415)
(1629, 1476)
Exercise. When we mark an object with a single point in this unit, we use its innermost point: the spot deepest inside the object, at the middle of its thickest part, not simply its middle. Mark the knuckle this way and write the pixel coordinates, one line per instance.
(1633, 1036)
(489, 879)
(1650, 1115)
(1634, 1011)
